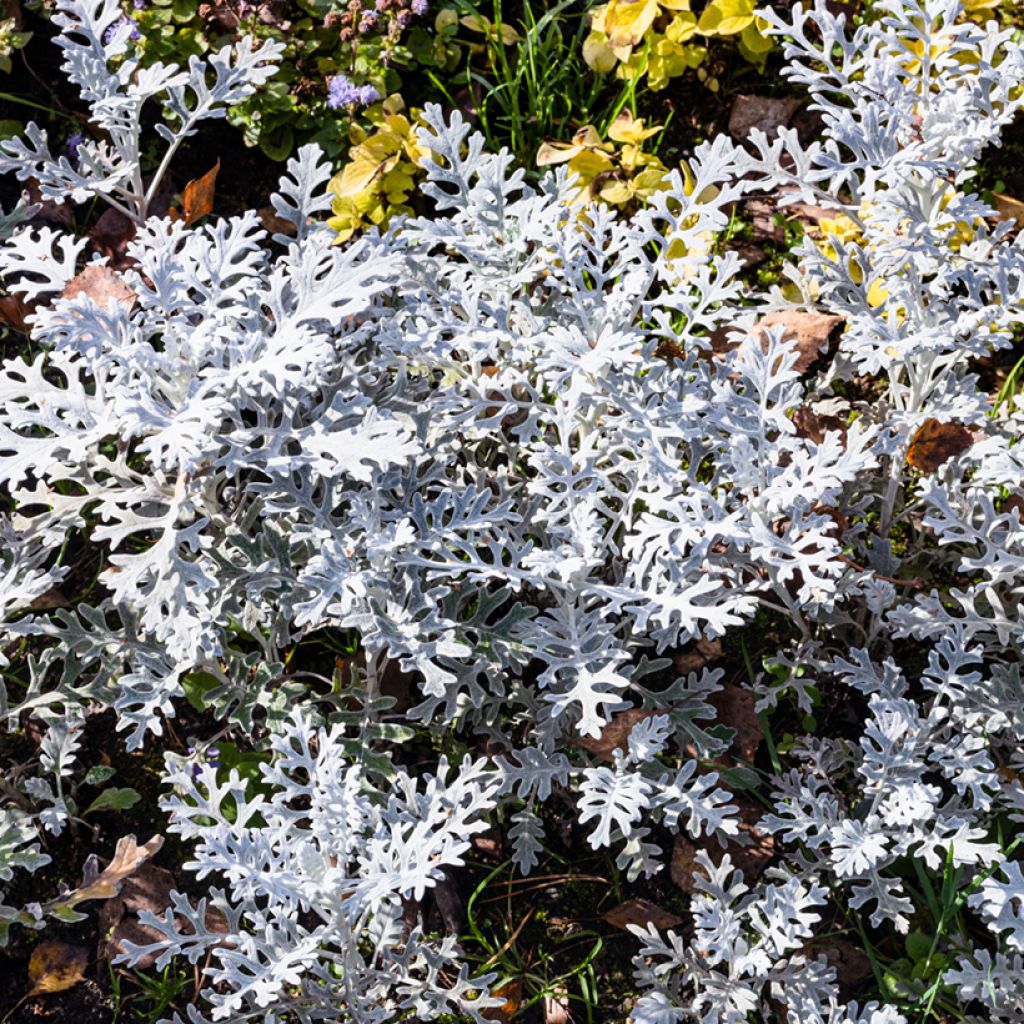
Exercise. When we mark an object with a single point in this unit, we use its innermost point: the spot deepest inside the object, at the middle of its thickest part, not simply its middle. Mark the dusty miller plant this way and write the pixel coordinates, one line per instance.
(462, 441)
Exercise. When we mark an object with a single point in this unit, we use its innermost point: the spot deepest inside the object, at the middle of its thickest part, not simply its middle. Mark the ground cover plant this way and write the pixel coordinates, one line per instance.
(520, 605)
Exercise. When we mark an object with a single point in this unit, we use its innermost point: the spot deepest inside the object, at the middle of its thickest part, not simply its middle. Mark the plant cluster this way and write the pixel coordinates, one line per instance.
(326, 47)
(505, 448)
(662, 39)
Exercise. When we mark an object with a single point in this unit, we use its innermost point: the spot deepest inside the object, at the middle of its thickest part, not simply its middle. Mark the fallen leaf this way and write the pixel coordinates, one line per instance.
(103, 285)
(815, 426)
(810, 331)
(683, 863)
(851, 964)
(697, 655)
(1008, 208)
(762, 215)
(56, 966)
(640, 912)
(110, 236)
(49, 210)
(512, 993)
(735, 707)
(52, 598)
(489, 843)
(197, 197)
(750, 851)
(128, 858)
(767, 113)
(750, 253)
(935, 442)
(13, 310)
(274, 224)
(556, 1009)
(615, 735)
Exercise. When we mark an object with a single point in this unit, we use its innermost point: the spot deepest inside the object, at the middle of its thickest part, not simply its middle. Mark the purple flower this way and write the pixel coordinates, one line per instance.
(119, 26)
(369, 21)
(420, 7)
(72, 147)
(139, 4)
(212, 758)
(404, 17)
(342, 93)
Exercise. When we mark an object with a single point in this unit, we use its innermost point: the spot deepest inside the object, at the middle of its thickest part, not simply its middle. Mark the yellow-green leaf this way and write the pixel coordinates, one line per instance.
(726, 17)
(597, 53)
(626, 21)
(626, 128)
(681, 27)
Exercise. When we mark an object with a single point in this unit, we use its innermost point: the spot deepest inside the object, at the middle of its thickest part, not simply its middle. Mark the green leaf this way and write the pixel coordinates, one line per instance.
(739, 777)
(196, 686)
(918, 945)
(98, 774)
(279, 145)
(114, 800)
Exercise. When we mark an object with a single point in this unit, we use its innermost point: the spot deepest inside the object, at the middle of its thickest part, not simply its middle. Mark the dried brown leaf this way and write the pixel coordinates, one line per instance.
(762, 216)
(103, 285)
(851, 964)
(128, 858)
(274, 224)
(49, 210)
(615, 735)
(810, 331)
(697, 655)
(512, 993)
(55, 966)
(110, 236)
(768, 113)
(557, 1008)
(935, 442)
(13, 311)
(814, 426)
(197, 196)
(640, 912)
(735, 707)
(750, 851)
(1008, 208)
(51, 598)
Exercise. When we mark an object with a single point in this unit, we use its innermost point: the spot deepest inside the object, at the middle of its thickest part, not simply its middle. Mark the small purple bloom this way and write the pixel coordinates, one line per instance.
(72, 147)
(212, 758)
(404, 17)
(119, 26)
(342, 93)
(368, 22)
(139, 5)
(420, 7)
